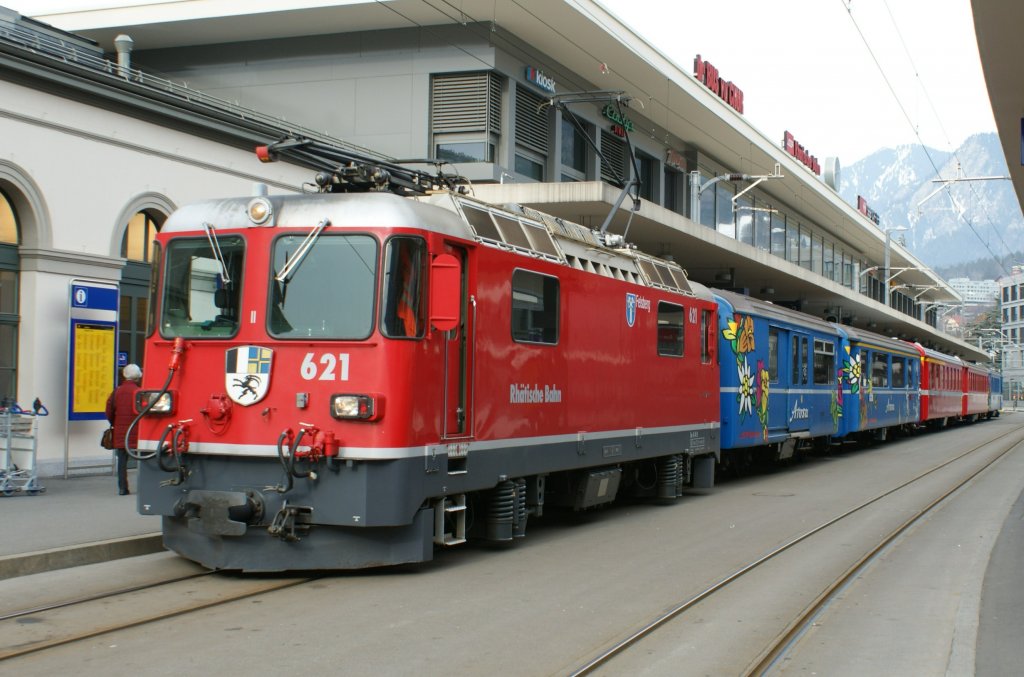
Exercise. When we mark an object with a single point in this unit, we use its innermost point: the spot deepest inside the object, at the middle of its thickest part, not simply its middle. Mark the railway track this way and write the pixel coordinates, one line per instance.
(783, 642)
(369, 612)
(31, 630)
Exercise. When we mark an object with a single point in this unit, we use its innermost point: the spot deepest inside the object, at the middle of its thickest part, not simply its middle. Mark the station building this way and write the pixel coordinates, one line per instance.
(558, 106)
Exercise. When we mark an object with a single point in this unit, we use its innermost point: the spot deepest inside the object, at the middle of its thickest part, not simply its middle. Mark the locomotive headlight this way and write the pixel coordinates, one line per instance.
(163, 405)
(260, 210)
(358, 407)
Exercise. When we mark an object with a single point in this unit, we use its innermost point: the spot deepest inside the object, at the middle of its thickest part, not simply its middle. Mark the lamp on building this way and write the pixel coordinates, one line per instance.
(888, 244)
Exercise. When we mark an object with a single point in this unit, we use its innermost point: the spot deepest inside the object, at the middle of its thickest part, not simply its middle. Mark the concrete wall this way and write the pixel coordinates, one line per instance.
(371, 89)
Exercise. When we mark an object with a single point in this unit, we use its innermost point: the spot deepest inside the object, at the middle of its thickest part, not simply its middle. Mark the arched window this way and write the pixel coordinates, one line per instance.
(9, 236)
(139, 235)
(138, 247)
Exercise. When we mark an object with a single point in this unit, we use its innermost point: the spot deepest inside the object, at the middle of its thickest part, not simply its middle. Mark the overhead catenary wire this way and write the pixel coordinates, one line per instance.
(942, 127)
(848, 5)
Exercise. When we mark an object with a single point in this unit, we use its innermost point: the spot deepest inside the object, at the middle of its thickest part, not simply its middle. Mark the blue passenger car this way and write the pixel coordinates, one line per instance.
(881, 385)
(779, 376)
(995, 393)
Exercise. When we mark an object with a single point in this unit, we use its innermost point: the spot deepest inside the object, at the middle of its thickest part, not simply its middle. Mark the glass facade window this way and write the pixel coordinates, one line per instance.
(745, 220)
(530, 166)
(778, 226)
(575, 150)
(725, 221)
(648, 171)
(675, 191)
(707, 202)
(793, 243)
(805, 247)
(762, 227)
(816, 254)
(464, 151)
(828, 267)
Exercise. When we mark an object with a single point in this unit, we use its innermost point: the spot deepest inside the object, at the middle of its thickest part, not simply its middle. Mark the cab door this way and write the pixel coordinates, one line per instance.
(458, 357)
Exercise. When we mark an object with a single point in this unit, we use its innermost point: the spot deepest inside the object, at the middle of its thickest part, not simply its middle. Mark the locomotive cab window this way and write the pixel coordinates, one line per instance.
(401, 298)
(202, 288)
(534, 308)
(327, 289)
(670, 329)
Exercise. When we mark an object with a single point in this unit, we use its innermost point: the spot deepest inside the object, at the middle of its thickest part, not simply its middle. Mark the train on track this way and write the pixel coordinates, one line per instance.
(357, 378)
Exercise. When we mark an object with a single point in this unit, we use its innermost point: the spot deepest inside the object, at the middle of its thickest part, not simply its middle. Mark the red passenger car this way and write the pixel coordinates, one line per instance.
(942, 391)
(976, 398)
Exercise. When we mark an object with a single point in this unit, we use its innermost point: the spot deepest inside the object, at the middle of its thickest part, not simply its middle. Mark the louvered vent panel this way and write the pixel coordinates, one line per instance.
(614, 152)
(494, 102)
(531, 121)
(463, 103)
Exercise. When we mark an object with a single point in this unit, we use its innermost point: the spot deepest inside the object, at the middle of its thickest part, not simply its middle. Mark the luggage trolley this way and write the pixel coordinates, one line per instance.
(19, 429)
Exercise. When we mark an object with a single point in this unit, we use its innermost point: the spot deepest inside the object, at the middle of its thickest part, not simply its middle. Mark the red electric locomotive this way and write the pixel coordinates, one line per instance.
(355, 378)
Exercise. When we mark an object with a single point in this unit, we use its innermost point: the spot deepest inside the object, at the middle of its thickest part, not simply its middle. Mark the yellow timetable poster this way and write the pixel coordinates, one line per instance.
(93, 360)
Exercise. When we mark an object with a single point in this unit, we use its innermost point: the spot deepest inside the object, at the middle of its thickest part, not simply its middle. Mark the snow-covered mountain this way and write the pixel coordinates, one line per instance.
(971, 220)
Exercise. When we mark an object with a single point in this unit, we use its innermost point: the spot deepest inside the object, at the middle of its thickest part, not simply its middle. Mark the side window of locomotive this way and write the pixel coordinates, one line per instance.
(707, 336)
(824, 362)
(773, 355)
(880, 370)
(202, 288)
(154, 276)
(327, 290)
(402, 295)
(670, 329)
(899, 374)
(534, 308)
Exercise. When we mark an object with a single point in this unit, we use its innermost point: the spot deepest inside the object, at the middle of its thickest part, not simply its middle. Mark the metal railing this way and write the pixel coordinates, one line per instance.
(91, 62)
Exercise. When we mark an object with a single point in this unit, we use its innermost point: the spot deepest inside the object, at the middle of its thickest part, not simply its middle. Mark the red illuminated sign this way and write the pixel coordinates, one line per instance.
(800, 153)
(727, 91)
(862, 207)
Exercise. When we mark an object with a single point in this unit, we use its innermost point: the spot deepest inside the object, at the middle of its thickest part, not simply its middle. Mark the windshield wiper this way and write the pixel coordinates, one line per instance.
(217, 254)
(292, 264)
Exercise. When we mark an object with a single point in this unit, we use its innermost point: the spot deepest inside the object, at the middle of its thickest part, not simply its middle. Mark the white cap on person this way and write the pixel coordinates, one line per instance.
(132, 372)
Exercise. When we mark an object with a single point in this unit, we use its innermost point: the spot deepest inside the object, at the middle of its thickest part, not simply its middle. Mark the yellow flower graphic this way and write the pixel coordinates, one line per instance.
(746, 338)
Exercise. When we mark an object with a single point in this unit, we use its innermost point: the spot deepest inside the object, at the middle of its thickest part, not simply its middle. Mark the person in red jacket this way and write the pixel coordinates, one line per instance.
(121, 413)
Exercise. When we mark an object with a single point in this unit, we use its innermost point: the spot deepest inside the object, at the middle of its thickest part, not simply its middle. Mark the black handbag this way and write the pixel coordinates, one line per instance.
(107, 441)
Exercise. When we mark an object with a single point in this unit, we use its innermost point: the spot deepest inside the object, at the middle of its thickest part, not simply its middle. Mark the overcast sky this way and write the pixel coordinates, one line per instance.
(803, 66)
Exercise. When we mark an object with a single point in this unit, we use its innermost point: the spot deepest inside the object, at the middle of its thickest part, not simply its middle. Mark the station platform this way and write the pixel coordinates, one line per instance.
(75, 521)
